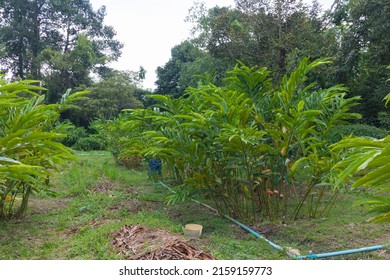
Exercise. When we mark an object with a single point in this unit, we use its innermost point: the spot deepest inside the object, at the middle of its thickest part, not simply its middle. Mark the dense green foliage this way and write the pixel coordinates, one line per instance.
(187, 65)
(58, 42)
(278, 34)
(369, 159)
(66, 45)
(340, 131)
(272, 34)
(29, 147)
(106, 99)
(249, 147)
(364, 52)
(254, 140)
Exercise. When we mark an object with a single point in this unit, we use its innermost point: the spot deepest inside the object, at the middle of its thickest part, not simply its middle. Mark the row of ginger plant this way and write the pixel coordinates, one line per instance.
(30, 148)
(255, 149)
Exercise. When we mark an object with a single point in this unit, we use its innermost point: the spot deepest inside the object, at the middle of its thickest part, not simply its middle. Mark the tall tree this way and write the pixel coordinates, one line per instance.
(168, 76)
(365, 51)
(34, 33)
(64, 70)
(272, 33)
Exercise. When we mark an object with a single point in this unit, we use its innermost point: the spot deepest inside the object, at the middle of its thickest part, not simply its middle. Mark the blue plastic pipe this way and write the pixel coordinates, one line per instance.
(310, 256)
(257, 235)
(340, 253)
(277, 247)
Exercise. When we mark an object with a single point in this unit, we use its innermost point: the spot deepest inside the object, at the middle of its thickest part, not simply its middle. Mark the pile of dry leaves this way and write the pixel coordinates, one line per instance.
(140, 243)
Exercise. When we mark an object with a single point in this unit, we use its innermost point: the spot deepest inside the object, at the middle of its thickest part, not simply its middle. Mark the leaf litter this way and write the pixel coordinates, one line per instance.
(141, 243)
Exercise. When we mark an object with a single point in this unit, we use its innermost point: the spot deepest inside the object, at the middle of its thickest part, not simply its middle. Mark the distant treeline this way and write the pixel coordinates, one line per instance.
(278, 34)
(66, 45)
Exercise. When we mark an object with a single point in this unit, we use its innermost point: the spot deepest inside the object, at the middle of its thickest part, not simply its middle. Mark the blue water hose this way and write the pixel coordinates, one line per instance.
(309, 256)
(257, 235)
(277, 247)
(340, 253)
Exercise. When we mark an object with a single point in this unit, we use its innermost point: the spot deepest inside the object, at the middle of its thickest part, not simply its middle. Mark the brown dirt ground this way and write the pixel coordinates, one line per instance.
(106, 186)
(45, 206)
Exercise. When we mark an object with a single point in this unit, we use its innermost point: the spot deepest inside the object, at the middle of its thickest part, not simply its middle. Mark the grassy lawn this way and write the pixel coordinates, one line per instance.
(96, 198)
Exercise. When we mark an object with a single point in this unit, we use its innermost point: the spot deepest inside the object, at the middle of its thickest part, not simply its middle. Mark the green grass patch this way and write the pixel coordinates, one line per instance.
(95, 198)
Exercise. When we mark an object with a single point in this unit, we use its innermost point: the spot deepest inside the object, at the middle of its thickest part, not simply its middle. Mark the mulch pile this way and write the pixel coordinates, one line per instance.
(140, 243)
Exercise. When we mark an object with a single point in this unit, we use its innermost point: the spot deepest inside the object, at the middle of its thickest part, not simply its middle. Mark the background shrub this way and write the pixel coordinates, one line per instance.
(337, 133)
(90, 143)
(73, 135)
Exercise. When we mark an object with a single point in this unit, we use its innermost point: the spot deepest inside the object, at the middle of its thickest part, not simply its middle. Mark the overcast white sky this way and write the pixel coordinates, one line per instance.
(149, 30)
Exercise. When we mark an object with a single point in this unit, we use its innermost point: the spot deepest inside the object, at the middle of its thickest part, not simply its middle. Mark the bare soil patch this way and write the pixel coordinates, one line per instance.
(106, 186)
(132, 206)
(46, 206)
(92, 223)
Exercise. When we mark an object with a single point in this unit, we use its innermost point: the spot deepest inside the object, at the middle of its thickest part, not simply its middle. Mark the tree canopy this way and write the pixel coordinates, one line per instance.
(66, 44)
(107, 99)
(277, 34)
(58, 42)
(364, 52)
